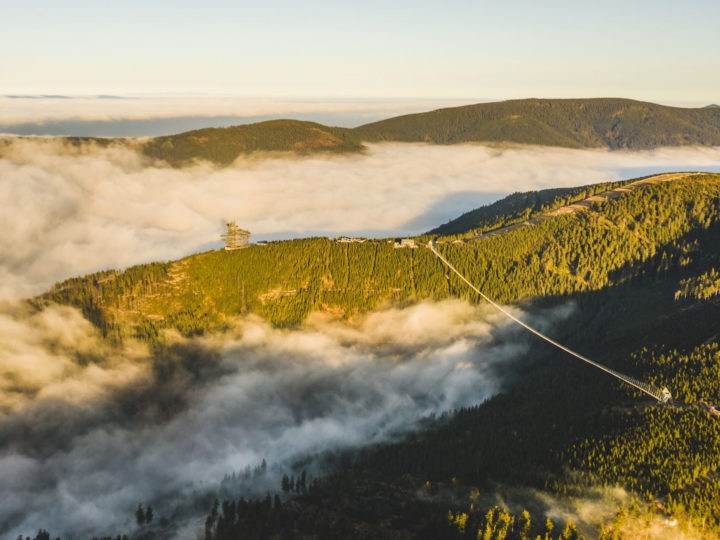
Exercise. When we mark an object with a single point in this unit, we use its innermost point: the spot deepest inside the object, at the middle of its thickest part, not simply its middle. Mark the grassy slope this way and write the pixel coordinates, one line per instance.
(573, 123)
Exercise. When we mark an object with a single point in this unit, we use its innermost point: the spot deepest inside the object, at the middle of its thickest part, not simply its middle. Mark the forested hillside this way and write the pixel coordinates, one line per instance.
(284, 281)
(518, 207)
(222, 146)
(561, 434)
(574, 123)
(218, 146)
(561, 449)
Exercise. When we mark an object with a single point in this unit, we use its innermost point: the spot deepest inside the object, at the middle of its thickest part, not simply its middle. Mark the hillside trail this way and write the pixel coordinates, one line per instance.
(585, 204)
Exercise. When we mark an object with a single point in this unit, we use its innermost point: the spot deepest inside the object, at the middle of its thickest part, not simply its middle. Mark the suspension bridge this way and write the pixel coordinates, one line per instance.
(662, 395)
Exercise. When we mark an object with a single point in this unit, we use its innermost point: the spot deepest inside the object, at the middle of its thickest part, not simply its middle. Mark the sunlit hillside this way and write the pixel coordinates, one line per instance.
(633, 266)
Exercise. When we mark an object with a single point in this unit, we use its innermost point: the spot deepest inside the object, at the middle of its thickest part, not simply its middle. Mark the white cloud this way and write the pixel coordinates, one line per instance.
(57, 354)
(70, 211)
(81, 463)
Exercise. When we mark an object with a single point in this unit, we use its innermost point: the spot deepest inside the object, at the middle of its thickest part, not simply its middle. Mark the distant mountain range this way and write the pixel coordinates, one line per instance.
(574, 123)
(610, 123)
(223, 145)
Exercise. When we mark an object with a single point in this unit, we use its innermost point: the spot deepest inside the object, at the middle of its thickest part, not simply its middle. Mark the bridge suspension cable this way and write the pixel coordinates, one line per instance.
(663, 396)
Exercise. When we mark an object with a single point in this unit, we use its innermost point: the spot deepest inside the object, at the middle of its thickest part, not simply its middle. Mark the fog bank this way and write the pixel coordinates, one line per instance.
(80, 450)
(70, 211)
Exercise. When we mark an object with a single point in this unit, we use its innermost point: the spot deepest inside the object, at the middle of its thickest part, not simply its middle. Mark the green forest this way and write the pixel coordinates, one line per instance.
(641, 272)
(516, 208)
(572, 123)
(647, 230)
(560, 430)
(222, 146)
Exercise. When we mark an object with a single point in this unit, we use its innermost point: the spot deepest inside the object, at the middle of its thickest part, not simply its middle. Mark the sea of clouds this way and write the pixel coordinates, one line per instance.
(89, 429)
(69, 211)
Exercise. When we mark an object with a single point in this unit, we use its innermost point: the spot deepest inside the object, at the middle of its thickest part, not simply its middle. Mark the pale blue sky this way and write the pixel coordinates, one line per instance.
(664, 51)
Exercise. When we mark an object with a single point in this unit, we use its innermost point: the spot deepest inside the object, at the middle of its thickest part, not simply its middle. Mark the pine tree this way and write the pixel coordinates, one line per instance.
(210, 521)
(140, 515)
(549, 526)
(570, 532)
(285, 484)
(523, 524)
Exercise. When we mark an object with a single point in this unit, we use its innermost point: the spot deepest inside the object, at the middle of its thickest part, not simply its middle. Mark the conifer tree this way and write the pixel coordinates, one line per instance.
(140, 515)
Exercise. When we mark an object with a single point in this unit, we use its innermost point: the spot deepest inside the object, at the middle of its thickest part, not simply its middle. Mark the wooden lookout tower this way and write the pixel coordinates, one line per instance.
(235, 237)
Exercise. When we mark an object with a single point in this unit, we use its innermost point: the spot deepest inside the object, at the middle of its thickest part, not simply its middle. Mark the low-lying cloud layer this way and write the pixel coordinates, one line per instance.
(57, 354)
(68, 211)
(119, 116)
(80, 461)
(88, 430)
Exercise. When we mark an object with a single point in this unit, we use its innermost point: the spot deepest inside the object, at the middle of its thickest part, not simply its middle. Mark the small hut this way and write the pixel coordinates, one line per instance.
(235, 237)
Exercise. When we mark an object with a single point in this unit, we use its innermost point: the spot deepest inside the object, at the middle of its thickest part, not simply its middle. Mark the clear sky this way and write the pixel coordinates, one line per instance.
(660, 50)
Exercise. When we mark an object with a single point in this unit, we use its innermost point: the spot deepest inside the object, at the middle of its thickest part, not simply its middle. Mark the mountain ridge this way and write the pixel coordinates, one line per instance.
(610, 123)
(223, 145)
(199, 292)
(614, 123)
